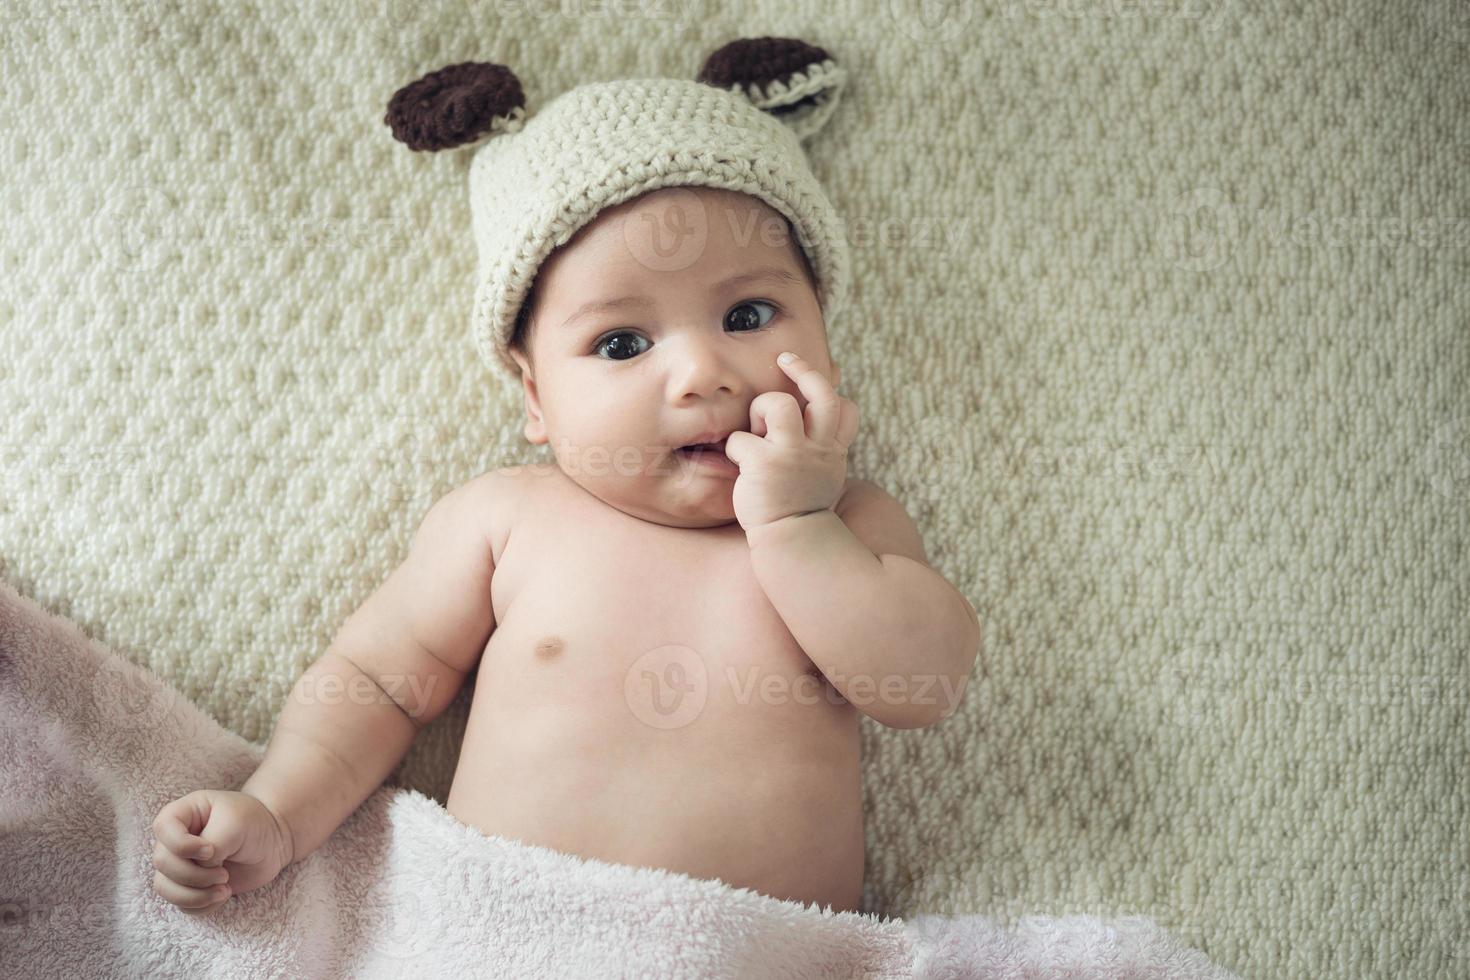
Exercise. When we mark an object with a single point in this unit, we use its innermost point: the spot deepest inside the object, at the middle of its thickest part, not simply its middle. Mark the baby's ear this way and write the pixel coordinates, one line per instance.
(796, 82)
(457, 105)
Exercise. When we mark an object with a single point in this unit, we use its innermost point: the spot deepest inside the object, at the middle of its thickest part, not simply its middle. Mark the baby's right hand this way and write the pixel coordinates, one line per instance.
(246, 847)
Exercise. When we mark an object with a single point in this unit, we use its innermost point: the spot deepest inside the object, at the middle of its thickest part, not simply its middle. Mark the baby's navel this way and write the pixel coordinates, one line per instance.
(549, 646)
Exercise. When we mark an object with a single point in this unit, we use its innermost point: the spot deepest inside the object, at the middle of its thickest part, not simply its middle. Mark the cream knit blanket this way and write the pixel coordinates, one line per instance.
(1160, 332)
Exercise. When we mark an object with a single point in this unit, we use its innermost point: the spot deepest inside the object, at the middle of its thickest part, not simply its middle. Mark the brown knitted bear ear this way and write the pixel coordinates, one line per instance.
(797, 82)
(456, 105)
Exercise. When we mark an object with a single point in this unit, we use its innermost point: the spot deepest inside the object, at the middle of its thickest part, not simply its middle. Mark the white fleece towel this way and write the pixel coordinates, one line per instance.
(92, 746)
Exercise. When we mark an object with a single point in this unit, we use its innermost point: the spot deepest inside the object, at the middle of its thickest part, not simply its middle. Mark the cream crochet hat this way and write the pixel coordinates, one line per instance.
(536, 179)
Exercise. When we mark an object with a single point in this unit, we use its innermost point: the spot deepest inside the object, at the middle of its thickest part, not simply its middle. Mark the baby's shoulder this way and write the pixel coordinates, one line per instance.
(491, 501)
(502, 482)
(522, 471)
(501, 494)
(517, 482)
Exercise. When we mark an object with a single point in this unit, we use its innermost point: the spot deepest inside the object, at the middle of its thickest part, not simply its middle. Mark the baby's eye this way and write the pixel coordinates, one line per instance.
(737, 321)
(741, 318)
(609, 343)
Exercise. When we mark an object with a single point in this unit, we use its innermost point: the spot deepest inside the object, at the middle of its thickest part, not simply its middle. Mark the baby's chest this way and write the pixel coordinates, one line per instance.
(603, 613)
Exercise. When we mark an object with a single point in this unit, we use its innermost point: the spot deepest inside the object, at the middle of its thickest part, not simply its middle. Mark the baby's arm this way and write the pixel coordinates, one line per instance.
(854, 587)
(394, 666)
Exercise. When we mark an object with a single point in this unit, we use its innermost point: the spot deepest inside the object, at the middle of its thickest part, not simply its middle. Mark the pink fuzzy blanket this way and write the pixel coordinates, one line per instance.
(91, 747)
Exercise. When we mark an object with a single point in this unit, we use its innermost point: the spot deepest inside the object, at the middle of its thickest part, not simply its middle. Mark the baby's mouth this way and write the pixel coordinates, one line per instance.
(704, 447)
(710, 456)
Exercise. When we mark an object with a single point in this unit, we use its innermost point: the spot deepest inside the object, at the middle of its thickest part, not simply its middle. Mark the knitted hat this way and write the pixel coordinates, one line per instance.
(535, 181)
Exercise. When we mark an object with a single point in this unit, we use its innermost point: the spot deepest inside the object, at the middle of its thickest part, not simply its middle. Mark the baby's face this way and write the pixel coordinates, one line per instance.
(619, 389)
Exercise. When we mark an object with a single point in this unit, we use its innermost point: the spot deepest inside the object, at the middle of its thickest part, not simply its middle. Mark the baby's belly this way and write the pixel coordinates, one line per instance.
(617, 756)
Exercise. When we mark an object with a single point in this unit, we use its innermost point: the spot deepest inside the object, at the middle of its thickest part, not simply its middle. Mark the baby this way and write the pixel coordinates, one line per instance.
(673, 630)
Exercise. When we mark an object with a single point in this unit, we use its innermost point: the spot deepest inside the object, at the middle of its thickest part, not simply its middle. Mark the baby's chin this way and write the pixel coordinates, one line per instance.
(702, 515)
(673, 489)
(684, 498)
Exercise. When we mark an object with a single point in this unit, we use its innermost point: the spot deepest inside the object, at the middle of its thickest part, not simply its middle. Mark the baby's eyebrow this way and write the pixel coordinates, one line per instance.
(764, 274)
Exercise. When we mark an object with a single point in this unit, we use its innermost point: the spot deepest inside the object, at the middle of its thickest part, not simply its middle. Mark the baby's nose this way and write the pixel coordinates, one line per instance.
(703, 369)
